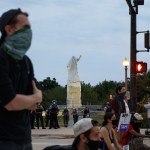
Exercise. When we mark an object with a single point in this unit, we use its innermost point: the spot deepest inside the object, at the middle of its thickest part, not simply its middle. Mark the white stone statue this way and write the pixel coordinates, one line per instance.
(73, 84)
(73, 70)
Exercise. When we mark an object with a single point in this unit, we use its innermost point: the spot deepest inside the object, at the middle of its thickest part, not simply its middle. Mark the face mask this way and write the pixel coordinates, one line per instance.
(93, 145)
(16, 45)
(122, 95)
(114, 122)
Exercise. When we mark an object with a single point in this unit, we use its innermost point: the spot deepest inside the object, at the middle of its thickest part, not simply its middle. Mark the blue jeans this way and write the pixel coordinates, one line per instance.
(10, 145)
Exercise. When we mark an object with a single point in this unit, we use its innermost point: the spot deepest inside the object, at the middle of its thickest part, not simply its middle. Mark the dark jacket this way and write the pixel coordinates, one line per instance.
(15, 78)
(119, 106)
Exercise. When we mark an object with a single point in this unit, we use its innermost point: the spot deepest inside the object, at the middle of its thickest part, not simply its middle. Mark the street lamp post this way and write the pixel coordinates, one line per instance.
(126, 64)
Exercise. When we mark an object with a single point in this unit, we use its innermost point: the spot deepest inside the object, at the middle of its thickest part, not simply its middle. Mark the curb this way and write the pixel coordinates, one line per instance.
(53, 135)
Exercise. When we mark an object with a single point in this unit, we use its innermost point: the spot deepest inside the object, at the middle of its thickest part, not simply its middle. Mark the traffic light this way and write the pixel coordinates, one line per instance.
(138, 2)
(147, 40)
(141, 67)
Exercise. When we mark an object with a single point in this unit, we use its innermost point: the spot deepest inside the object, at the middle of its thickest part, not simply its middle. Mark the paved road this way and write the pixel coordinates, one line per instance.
(39, 143)
(45, 137)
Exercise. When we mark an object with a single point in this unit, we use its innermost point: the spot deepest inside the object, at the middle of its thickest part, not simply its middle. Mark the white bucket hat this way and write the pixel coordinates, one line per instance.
(138, 116)
(82, 126)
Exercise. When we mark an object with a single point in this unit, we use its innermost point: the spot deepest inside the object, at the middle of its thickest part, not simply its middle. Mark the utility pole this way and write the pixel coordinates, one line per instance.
(133, 90)
(133, 11)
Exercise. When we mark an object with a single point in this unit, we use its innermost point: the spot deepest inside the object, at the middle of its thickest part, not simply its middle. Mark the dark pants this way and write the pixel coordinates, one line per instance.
(47, 120)
(75, 118)
(9, 145)
(54, 121)
(66, 120)
(39, 117)
(32, 120)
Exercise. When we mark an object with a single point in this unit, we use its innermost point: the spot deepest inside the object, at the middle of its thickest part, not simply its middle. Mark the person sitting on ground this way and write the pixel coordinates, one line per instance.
(87, 136)
(132, 136)
(108, 136)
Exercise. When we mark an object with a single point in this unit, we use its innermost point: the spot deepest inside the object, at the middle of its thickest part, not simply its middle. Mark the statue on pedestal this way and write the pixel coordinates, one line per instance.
(73, 84)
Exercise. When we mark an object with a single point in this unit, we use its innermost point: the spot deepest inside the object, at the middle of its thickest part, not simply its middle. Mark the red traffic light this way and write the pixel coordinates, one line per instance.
(141, 67)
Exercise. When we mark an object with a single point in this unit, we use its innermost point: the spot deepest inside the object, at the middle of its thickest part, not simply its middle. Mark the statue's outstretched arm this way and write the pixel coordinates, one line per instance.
(79, 58)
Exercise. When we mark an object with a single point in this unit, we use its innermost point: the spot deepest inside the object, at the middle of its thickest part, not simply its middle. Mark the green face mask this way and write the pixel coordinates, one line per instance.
(16, 45)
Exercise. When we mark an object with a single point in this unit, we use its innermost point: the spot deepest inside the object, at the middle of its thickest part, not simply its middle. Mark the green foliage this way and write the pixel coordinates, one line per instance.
(88, 95)
(58, 93)
(143, 86)
(94, 95)
(47, 84)
(142, 110)
(104, 90)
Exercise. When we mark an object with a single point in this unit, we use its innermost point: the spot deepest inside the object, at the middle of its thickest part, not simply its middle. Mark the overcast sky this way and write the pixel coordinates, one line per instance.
(99, 30)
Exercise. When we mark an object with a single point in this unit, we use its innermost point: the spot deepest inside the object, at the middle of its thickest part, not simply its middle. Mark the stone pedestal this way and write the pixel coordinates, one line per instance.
(74, 95)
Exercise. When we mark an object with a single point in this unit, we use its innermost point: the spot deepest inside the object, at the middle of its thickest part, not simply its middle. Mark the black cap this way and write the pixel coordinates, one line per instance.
(7, 16)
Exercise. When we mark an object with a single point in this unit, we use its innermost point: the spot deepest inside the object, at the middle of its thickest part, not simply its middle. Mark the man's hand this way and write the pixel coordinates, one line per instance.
(33, 107)
(37, 93)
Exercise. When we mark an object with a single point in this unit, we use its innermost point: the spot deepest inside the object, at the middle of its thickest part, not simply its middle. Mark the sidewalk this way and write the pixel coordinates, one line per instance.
(62, 131)
(68, 133)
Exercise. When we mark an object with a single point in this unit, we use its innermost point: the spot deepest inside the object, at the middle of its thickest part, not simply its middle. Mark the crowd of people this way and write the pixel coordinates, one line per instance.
(20, 101)
(110, 138)
(51, 116)
(90, 135)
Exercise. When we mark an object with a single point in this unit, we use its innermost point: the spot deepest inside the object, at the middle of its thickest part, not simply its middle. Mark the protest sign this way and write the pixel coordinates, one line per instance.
(124, 121)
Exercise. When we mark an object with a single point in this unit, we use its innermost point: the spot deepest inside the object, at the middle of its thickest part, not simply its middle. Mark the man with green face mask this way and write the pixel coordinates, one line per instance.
(19, 94)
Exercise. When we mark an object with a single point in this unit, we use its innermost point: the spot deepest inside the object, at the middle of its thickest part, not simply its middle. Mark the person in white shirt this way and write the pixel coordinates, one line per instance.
(126, 98)
(147, 106)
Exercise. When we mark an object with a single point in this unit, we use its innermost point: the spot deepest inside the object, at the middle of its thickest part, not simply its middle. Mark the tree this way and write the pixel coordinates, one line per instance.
(58, 93)
(143, 85)
(88, 95)
(105, 89)
(47, 84)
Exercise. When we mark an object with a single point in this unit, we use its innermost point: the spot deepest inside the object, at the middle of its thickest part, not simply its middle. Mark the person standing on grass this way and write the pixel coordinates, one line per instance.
(75, 115)
(39, 116)
(65, 114)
